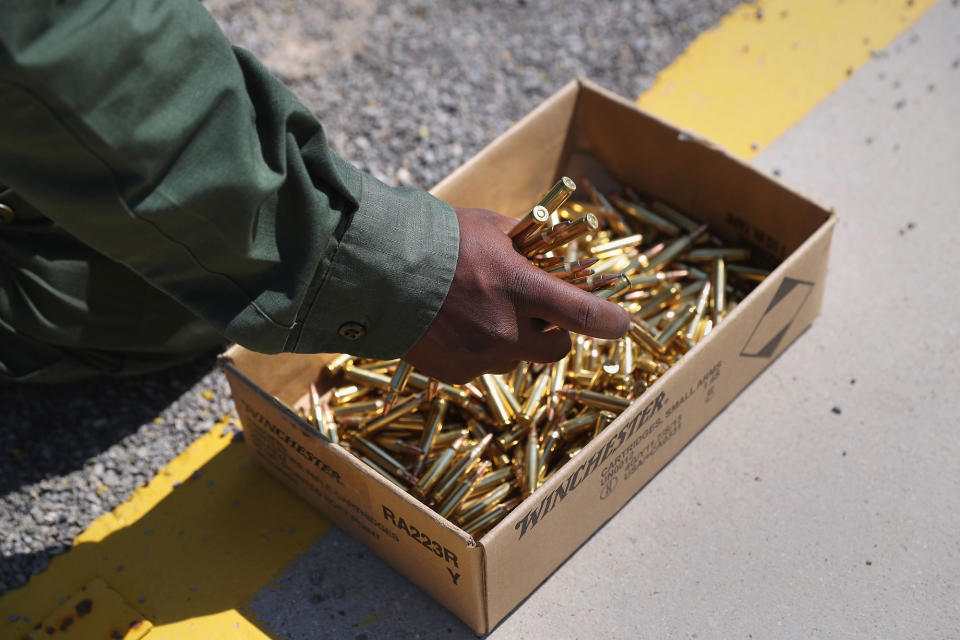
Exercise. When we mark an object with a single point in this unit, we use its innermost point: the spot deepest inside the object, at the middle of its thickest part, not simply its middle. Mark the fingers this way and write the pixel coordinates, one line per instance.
(553, 300)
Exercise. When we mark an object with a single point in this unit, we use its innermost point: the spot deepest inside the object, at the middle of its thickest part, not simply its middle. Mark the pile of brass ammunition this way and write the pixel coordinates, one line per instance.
(473, 452)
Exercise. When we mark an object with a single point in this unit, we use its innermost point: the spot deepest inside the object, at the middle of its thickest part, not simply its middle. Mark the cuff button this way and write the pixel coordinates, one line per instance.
(352, 331)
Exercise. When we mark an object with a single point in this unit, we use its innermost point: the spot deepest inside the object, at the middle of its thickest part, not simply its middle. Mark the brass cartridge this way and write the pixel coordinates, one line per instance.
(363, 408)
(397, 384)
(487, 503)
(378, 366)
(409, 405)
(460, 468)
(337, 364)
(648, 279)
(348, 393)
(674, 216)
(513, 405)
(493, 479)
(558, 194)
(748, 273)
(615, 245)
(507, 439)
(487, 520)
(659, 302)
(433, 425)
(546, 454)
(531, 462)
(498, 406)
(462, 492)
(727, 253)
(679, 322)
(702, 300)
(596, 399)
(382, 458)
(645, 362)
(644, 260)
(535, 219)
(640, 333)
(437, 469)
(620, 286)
(647, 217)
(718, 306)
(316, 411)
(529, 409)
(383, 472)
(676, 247)
(369, 378)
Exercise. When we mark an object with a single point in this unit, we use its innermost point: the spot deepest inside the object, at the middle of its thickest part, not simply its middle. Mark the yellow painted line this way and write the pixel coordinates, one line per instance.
(768, 63)
(189, 558)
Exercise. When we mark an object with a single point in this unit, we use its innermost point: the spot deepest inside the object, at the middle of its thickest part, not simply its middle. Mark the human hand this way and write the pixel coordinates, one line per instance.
(498, 306)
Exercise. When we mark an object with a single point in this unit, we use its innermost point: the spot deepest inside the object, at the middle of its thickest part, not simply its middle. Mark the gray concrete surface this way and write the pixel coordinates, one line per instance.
(783, 519)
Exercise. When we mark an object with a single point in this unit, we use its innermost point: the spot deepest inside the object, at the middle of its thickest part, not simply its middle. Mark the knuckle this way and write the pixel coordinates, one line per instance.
(586, 313)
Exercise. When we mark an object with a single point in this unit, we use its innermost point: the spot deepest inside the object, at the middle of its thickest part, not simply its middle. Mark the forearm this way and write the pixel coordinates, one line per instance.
(138, 129)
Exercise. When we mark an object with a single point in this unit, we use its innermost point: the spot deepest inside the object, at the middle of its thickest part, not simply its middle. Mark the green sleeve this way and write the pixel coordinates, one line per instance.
(139, 130)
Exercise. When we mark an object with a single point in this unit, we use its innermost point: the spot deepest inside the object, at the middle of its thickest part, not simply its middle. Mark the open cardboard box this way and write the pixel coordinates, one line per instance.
(583, 130)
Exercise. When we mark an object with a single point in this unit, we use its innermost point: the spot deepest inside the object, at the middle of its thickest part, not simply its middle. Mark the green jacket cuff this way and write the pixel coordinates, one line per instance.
(387, 279)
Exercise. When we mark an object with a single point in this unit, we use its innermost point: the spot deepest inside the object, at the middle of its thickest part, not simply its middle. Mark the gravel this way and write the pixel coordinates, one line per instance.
(407, 91)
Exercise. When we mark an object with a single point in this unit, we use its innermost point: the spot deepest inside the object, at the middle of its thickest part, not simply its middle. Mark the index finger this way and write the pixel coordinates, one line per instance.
(549, 298)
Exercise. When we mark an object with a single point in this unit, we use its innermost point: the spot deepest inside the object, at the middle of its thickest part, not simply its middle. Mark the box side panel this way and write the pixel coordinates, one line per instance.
(697, 177)
(284, 375)
(570, 506)
(536, 145)
(440, 559)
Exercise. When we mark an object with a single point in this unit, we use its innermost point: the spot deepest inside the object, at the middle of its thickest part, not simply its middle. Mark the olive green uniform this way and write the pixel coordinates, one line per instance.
(163, 192)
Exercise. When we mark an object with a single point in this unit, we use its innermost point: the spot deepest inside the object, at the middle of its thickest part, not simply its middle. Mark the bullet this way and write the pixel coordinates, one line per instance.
(535, 218)
(558, 194)
(369, 378)
(531, 462)
(692, 289)
(397, 384)
(485, 504)
(437, 469)
(595, 283)
(645, 362)
(461, 468)
(596, 399)
(433, 425)
(348, 393)
(674, 216)
(620, 286)
(546, 453)
(486, 521)
(363, 408)
(517, 378)
(587, 224)
(613, 245)
(498, 406)
(647, 279)
(409, 405)
(507, 439)
(642, 336)
(463, 489)
(316, 411)
(526, 413)
(513, 405)
(645, 216)
(574, 427)
(492, 479)
(382, 458)
(383, 472)
(727, 253)
(535, 241)
(702, 300)
(337, 363)
(718, 286)
(679, 322)
(377, 366)
(659, 302)
(645, 259)
(676, 247)
(748, 273)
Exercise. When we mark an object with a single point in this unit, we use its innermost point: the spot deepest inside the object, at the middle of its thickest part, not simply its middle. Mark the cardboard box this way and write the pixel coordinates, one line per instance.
(582, 130)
